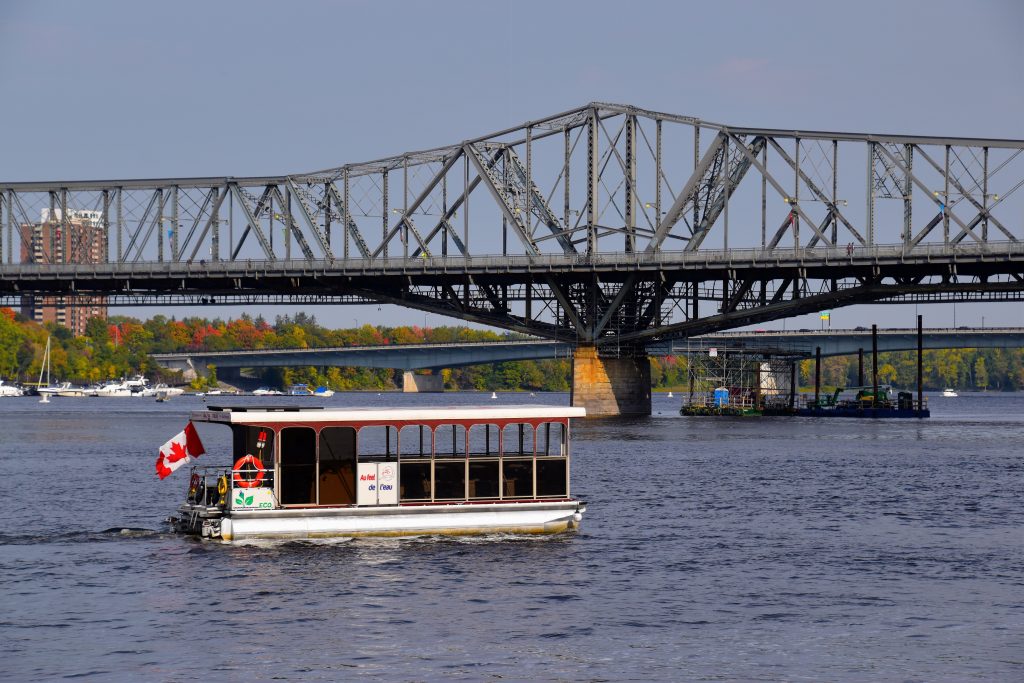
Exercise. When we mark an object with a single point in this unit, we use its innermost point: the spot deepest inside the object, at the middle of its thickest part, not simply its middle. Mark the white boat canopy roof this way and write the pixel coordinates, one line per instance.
(257, 414)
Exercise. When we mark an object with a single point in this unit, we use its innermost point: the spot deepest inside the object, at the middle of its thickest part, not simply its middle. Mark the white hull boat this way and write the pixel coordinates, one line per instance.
(164, 391)
(10, 390)
(949, 393)
(385, 472)
(109, 389)
(56, 390)
(137, 386)
(457, 520)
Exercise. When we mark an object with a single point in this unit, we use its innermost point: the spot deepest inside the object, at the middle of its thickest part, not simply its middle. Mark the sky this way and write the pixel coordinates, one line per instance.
(107, 89)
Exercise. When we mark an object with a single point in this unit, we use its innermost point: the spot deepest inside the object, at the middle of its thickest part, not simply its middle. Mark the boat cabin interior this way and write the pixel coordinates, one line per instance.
(336, 458)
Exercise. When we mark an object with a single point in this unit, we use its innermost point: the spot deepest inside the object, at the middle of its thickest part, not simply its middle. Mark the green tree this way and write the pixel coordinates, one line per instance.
(980, 374)
(11, 336)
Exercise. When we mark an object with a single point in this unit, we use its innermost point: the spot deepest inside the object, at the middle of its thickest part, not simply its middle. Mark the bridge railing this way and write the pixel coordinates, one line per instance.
(506, 263)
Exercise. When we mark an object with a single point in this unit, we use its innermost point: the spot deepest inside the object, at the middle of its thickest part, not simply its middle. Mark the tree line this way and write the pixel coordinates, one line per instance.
(120, 346)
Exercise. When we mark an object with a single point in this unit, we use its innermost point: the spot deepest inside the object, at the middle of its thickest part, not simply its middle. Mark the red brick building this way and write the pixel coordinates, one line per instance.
(79, 239)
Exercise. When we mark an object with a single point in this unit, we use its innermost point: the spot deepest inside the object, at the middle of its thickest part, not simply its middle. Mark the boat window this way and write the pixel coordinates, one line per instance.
(414, 480)
(246, 440)
(483, 479)
(336, 479)
(517, 477)
(450, 441)
(378, 442)
(551, 477)
(450, 479)
(551, 439)
(414, 441)
(298, 466)
(483, 440)
(517, 439)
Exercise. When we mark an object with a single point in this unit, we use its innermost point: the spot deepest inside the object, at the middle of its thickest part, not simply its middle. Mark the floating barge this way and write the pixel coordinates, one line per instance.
(311, 473)
(745, 391)
(868, 403)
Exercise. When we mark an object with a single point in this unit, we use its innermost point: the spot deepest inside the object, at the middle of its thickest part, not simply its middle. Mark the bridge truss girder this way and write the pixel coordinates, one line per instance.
(599, 183)
(606, 303)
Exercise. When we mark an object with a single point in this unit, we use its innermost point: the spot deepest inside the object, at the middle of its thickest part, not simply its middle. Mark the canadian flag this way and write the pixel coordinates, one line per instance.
(180, 449)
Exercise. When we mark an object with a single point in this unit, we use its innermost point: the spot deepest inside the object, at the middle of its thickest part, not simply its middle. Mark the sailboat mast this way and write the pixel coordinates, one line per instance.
(45, 366)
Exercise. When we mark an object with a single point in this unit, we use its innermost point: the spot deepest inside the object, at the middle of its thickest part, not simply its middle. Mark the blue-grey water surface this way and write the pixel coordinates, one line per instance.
(713, 549)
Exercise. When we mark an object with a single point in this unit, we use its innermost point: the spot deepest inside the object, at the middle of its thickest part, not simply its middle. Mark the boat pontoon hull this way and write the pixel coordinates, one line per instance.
(402, 520)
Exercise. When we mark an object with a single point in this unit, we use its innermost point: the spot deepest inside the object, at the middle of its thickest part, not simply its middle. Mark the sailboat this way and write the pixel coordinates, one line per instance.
(46, 366)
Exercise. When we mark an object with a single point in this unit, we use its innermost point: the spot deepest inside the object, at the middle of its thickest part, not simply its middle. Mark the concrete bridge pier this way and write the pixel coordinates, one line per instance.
(413, 383)
(611, 386)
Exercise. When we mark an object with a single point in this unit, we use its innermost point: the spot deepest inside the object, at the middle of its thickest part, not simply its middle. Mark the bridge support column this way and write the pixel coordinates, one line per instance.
(413, 383)
(609, 387)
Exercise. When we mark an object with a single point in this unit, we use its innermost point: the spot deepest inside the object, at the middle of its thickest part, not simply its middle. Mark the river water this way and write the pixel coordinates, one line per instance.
(713, 549)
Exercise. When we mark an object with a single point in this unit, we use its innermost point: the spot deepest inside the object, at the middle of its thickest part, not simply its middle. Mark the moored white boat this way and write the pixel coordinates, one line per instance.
(72, 391)
(55, 390)
(313, 473)
(10, 390)
(165, 391)
(111, 388)
(137, 386)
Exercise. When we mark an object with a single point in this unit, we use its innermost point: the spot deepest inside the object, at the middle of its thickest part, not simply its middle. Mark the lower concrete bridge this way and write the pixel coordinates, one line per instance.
(846, 342)
(407, 357)
(604, 385)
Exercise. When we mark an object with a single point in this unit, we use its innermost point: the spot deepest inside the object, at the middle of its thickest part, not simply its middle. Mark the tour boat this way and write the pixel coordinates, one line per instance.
(315, 473)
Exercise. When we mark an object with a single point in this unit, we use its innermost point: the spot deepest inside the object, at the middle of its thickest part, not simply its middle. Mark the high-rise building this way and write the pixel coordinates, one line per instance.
(78, 239)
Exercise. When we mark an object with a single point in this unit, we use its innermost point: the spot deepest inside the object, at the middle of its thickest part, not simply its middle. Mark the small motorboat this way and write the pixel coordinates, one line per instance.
(949, 393)
(57, 389)
(164, 392)
(323, 392)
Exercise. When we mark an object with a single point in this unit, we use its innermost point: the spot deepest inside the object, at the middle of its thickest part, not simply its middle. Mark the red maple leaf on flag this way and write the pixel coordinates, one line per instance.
(177, 452)
(180, 449)
(162, 470)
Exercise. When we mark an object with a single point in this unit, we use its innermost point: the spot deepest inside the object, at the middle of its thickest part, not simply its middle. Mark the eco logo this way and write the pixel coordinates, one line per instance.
(243, 499)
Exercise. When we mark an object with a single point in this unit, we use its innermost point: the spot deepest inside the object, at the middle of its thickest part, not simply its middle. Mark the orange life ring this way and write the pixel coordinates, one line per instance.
(239, 475)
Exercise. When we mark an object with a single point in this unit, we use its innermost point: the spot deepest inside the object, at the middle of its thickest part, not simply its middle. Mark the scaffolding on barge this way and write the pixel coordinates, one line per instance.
(740, 381)
(744, 381)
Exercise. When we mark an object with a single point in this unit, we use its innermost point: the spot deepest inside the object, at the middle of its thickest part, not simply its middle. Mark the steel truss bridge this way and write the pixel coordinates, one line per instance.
(605, 225)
